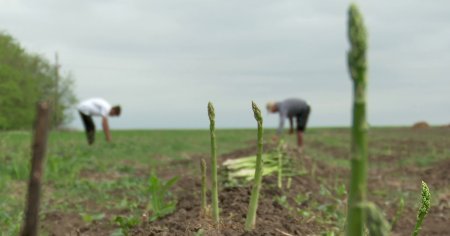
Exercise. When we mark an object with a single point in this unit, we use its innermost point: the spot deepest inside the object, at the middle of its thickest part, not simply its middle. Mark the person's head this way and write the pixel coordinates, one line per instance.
(115, 111)
(272, 107)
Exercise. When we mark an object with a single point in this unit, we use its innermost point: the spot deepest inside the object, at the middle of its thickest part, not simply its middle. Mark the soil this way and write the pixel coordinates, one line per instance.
(272, 218)
(421, 125)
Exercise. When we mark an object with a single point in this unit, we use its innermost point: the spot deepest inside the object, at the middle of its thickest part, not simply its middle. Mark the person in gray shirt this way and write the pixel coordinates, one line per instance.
(292, 108)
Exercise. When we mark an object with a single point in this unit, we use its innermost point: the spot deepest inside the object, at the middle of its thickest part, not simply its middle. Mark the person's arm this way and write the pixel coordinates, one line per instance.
(106, 128)
(281, 126)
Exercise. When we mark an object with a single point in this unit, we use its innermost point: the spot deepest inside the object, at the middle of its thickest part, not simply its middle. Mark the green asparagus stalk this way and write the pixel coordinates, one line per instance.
(289, 183)
(251, 214)
(357, 66)
(423, 210)
(215, 191)
(398, 213)
(203, 170)
(376, 222)
(280, 163)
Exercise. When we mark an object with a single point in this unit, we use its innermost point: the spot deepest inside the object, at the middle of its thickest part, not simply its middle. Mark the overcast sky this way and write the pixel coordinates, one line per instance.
(164, 60)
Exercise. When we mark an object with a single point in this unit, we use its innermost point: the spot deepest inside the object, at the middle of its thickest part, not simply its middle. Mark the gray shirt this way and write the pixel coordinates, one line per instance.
(289, 108)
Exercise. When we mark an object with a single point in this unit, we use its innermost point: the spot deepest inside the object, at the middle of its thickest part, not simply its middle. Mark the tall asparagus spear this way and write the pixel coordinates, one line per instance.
(251, 214)
(214, 190)
(424, 207)
(357, 64)
(203, 173)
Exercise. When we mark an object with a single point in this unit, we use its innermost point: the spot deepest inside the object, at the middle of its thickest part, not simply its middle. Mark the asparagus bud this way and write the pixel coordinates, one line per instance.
(424, 207)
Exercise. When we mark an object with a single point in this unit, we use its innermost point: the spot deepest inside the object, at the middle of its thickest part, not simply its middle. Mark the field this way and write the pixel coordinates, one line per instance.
(104, 189)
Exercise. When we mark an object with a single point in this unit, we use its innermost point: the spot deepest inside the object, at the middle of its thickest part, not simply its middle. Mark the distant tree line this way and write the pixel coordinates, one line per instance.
(27, 78)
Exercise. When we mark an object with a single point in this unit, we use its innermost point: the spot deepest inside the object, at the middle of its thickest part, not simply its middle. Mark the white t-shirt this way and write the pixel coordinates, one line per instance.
(95, 107)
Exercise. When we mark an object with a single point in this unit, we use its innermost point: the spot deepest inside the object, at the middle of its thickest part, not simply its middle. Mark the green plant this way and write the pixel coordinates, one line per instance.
(424, 207)
(375, 220)
(203, 171)
(159, 191)
(398, 213)
(289, 182)
(357, 66)
(10, 223)
(283, 201)
(125, 224)
(280, 163)
(243, 169)
(89, 218)
(215, 187)
(251, 214)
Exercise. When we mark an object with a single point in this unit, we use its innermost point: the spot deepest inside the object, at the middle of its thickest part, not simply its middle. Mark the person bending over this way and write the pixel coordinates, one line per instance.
(291, 109)
(96, 107)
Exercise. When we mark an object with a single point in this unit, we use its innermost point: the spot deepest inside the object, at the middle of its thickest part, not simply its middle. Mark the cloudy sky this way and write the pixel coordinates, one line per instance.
(164, 60)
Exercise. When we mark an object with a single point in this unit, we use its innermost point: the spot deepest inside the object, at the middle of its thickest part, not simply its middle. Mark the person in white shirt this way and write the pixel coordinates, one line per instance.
(97, 107)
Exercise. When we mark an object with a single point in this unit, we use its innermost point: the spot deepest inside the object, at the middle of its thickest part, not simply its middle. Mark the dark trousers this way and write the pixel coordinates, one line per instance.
(89, 127)
(302, 119)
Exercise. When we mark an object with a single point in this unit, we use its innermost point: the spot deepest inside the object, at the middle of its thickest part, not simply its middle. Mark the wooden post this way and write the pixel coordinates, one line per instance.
(30, 227)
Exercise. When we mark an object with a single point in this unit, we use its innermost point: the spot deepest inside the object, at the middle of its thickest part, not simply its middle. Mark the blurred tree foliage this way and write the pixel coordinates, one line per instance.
(26, 79)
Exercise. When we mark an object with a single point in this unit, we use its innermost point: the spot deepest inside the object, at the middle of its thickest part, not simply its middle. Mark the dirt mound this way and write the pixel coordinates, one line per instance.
(272, 218)
(421, 125)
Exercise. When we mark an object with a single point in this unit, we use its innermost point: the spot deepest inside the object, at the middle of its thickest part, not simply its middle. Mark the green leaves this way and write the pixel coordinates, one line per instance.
(125, 224)
(25, 79)
(159, 192)
(88, 218)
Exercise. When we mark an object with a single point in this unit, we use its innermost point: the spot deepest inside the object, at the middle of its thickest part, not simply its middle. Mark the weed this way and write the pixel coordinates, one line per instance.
(159, 206)
(125, 224)
(89, 218)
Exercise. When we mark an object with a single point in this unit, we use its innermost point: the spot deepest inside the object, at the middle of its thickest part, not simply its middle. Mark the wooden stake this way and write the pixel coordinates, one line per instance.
(30, 227)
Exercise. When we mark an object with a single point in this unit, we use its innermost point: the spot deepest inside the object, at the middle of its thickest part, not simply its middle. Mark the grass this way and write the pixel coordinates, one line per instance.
(114, 177)
(78, 175)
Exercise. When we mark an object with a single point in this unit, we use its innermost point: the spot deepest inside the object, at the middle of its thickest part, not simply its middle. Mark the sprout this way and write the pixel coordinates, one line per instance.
(375, 220)
(398, 213)
(203, 171)
(215, 191)
(424, 207)
(357, 64)
(280, 163)
(251, 214)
